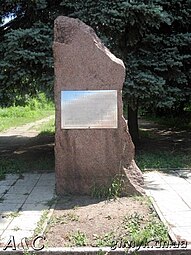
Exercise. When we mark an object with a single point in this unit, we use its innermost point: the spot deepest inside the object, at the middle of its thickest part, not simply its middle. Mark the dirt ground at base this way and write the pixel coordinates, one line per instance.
(85, 221)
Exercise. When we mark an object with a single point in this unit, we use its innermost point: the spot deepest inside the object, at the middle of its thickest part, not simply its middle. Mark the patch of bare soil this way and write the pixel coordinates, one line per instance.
(85, 221)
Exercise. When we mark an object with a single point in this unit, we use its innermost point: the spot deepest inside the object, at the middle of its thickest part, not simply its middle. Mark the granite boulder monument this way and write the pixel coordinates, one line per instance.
(92, 142)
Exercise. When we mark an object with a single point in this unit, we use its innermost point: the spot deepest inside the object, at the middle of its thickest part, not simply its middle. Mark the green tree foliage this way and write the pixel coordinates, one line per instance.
(153, 39)
(151, 36)
(26, 60)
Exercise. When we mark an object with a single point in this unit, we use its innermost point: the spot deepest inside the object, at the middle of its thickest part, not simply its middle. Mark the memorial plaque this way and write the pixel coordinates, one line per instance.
(89, 109)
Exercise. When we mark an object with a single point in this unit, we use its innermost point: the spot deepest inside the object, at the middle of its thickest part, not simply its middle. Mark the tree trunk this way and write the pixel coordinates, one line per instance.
(133, 124)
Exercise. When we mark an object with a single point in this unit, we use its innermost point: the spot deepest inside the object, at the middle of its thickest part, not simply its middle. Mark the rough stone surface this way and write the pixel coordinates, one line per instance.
(89, 157)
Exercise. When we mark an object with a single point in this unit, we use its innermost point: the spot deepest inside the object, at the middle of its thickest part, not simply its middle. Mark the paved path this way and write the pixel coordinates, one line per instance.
(27, 130)
(171, 194)
(23, 201)
(14, 138)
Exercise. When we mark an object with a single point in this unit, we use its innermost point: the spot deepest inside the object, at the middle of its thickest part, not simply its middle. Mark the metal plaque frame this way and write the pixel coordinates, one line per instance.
(85, 109)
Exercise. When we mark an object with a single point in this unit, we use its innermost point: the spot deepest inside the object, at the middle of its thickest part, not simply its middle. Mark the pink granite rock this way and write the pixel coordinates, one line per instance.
(88, 157)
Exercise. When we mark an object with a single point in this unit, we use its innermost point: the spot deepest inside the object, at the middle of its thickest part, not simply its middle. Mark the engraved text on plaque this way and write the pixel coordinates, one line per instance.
(89, 109)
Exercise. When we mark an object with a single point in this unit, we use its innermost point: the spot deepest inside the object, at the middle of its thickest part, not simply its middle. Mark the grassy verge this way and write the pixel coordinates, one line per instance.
(36, 108)
(164, 147)
(179, 122)
(47, 128)
(37, 154)
(163, 159)
(22, 165)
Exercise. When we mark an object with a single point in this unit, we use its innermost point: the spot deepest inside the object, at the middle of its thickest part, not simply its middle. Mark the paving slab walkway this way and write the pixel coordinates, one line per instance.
(171, 195)
(23, 201)
(27, 130)
(25, 198)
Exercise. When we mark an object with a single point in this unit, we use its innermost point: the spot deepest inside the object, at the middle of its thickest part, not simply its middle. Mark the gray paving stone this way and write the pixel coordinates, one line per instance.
(21, 189)
(3, 189)
(187, 200)
(36, 198)
(166, 205)
(153, 179)
(18, 235)
(14, 198)
(7, 182)
(27, 222)
(161, 189)
(182, 188)
(9, 207)
(185, 173)
(171, 179)
(179, 219)
(1, 231)
(172, 195)
(4, 222)
(27, 182)
(31, 213)
(10, 177)
(183, 233)
(41, 194)
(42, 190)
(34, 207)
(46, 180)
(153, 175)
(34, 176)
(32, 192)
(48, 175)
(188, 180)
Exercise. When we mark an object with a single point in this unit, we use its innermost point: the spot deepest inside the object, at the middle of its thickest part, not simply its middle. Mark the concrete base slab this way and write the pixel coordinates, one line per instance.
(23, 204)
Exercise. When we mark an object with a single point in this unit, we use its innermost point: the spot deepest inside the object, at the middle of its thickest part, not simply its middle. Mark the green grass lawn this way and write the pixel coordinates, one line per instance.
(163, 159)
(38, 153)
(25, 116)
(163, 146)
(21, 165)
(47, 128)
(18, 115)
